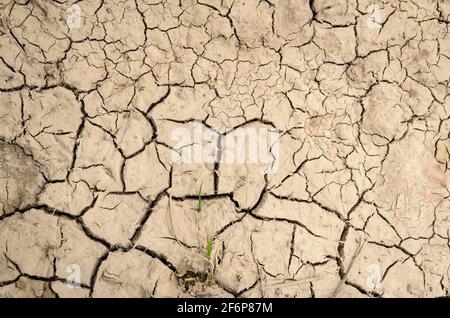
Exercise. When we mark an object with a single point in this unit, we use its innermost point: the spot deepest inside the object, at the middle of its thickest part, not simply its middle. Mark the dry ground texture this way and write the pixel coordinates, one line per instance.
(92, 203)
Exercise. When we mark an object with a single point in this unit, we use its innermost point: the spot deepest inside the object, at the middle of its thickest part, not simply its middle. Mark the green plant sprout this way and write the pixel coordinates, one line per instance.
(209, 247)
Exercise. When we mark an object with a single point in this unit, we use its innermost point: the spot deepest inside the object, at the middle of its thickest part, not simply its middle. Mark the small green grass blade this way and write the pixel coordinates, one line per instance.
(209, 247)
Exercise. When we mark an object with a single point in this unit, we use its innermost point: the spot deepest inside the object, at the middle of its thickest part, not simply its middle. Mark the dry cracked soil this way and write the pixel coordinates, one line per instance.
(93, 204)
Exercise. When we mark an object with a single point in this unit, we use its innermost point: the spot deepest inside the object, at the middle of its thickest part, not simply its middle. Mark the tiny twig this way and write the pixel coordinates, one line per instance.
(170, 219)
(263, 293)
(352, 262)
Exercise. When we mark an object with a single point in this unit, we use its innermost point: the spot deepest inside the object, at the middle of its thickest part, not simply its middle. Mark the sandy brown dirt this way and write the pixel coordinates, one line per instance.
(355, 203)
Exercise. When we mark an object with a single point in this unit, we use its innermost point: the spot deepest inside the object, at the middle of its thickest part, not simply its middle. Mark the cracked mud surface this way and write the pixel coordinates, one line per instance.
(87, 182)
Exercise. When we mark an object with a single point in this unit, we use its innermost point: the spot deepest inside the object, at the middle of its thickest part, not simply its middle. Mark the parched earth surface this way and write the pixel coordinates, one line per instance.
(93, 204)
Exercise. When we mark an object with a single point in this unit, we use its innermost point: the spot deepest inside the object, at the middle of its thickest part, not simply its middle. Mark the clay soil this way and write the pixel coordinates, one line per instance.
(92, 203)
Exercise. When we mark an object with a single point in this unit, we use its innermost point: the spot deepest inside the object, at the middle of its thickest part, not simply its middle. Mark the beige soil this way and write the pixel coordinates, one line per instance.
(359, 205)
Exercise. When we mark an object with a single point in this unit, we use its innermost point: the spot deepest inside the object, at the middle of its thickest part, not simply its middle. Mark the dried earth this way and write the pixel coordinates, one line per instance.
(92, 203)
